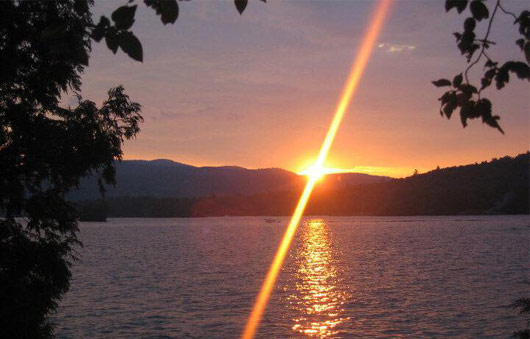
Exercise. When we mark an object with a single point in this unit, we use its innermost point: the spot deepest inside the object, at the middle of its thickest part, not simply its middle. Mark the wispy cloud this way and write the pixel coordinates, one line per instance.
(396, 48)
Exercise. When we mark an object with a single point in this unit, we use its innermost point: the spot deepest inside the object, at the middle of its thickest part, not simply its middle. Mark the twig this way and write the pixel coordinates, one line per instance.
(506, 12)
(487, 56)
(485, 39)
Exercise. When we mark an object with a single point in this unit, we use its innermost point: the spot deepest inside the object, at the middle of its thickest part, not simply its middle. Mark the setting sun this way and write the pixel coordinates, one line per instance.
(316, 172)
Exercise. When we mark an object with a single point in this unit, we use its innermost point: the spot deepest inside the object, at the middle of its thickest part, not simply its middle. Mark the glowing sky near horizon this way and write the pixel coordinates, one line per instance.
(256, 90)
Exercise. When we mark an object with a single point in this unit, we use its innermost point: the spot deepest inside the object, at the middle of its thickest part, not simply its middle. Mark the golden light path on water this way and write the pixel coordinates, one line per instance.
(365, 50)
(317, 299)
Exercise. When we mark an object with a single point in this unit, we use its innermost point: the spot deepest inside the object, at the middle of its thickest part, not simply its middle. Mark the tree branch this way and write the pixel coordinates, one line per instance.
(507, 12)
(483, 44)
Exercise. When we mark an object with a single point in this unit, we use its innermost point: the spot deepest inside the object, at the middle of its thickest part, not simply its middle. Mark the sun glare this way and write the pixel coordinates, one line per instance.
(350, 87)
(315, 172)
(318, 172)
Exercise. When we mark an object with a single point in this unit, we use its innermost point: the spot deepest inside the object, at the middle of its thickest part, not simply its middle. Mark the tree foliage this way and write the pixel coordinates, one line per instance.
(45, 148)
(116, 30)
(464, 94)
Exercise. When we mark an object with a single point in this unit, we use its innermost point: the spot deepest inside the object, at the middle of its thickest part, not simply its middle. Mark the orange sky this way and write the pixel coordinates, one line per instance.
(260, 90)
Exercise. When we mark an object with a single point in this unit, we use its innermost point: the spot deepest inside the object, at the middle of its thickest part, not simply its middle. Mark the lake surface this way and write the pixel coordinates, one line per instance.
(343, 277)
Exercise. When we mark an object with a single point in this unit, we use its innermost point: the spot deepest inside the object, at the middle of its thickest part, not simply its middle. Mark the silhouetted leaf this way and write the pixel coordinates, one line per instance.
(131, 45)
(468, 89)
(469, 24)
(450, 106)
(520, 43)
(445, 97)
(524, 23)
(457, 80)
(483, 107)
(241, 5)
(169, 11)
(124, 17)
(479, 10)
(458, 36)
(488, 77)
(463, 119)
(467, 112)
(484, 83)
(99, 31)
(524, 45)
(502, 77)
(463, 98)
(153, 4)
(490, 63)
(493, 122)
(466, 41)
(441, 83)
(460, 5)
(471, 50)
(519, 68)
(111, 39)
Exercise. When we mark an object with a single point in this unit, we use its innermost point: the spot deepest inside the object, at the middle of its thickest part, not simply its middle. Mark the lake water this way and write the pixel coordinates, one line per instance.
(344, 277)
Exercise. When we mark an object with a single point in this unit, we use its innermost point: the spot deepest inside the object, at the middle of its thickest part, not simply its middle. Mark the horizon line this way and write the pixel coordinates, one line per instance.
(396, 172)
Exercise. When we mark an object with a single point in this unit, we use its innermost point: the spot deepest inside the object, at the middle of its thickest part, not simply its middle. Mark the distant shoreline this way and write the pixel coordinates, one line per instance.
(325, 216)
(498, 187)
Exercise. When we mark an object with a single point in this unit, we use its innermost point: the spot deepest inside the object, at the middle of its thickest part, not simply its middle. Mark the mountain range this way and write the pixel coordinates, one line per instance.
(499, 186)
(166, 178)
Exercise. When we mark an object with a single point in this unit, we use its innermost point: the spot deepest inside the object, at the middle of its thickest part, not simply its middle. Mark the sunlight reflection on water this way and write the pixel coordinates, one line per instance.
(358, 277)
(317, 301)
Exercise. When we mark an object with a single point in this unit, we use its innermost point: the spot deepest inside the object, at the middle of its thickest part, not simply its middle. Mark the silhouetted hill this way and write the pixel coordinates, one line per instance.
(500, 186)
(165, 178)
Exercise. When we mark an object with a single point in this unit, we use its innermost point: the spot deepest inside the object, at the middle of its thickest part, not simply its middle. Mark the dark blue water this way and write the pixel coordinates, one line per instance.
(344, 277)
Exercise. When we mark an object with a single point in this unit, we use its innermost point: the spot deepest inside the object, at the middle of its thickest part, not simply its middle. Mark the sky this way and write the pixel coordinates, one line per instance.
(259, 90)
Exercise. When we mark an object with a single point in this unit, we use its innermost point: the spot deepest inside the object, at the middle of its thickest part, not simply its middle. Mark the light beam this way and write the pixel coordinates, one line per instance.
(356, 71)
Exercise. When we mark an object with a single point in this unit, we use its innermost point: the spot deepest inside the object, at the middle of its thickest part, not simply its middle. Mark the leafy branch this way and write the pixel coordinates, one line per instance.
(465, 95)
(117, 33)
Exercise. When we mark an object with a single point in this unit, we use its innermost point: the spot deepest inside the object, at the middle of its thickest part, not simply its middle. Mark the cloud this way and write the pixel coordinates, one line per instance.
(396, 48)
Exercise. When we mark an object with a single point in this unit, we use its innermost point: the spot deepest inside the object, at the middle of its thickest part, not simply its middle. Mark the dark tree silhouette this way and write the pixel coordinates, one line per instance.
(463, 94)
(45, 148)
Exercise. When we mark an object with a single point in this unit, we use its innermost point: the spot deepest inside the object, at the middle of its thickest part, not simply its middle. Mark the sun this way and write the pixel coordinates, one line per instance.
(315, 172)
